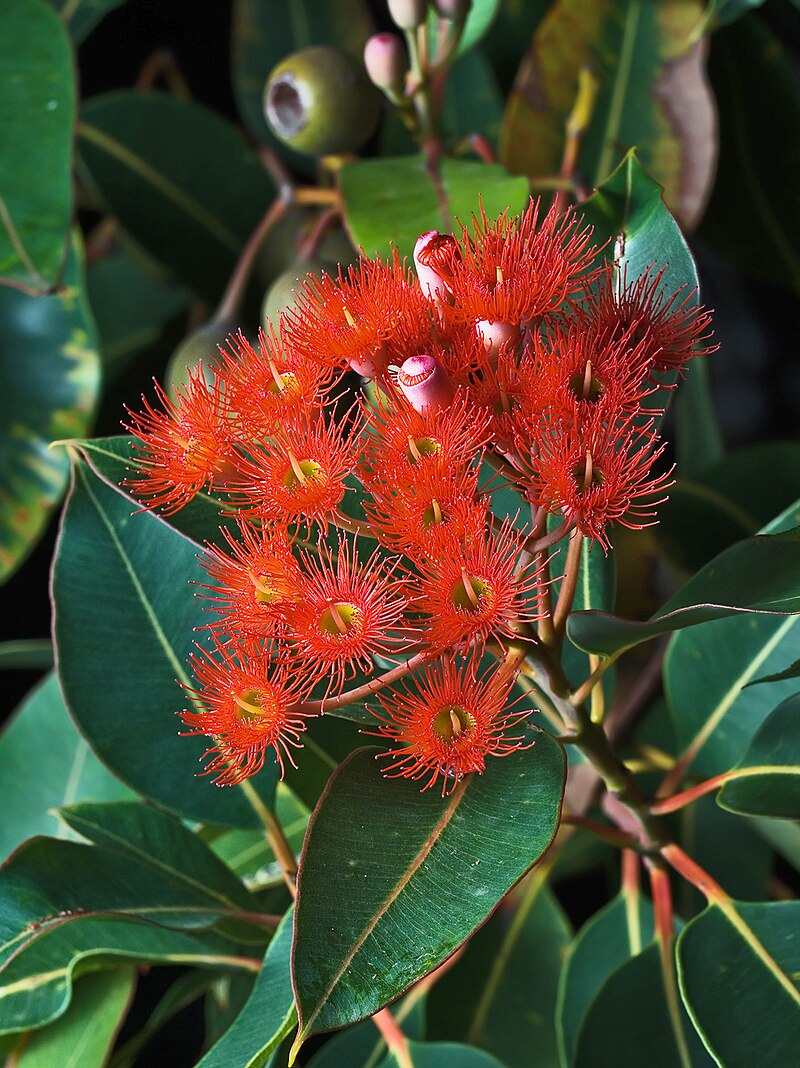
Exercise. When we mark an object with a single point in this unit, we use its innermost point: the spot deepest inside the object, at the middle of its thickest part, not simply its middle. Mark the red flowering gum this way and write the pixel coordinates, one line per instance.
(517, 269)
(253, 583)
(182, 448)
(434, 254)
(345, 612)
(298, 477)
(448, 725)
(478, 593)
(425, 384)
(670, 329)
(368, 318)
(600, 476)
(249, 707)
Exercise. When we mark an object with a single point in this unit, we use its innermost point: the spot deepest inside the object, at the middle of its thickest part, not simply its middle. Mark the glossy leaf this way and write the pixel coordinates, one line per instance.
(700, 444)
(501, 994)
(707, 671)
(49, 382)
(179, 178)
(765, 239)
(37, 779)
(84, 1035)
(35, 144)
(356, 905)
(760, 574)
(619, 931)
(81, 16)
(264, 32)
(122, 593)
(390, 202)
(67, 906)
(440, 1055)
(247, 853)
(268, 1015)
(649, 1035)
(766, 781)
(651, 94)
(738, 967)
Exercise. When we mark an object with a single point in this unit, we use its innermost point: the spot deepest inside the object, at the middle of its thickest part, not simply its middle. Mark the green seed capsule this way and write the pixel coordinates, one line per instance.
(201, 345)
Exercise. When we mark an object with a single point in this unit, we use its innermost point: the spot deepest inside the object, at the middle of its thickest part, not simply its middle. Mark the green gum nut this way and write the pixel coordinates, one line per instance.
(319, 101)
(202, 345)
(281, 294)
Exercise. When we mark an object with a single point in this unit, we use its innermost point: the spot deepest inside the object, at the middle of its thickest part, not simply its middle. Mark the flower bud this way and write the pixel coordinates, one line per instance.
(318, 101)
(433, 254)
(199, 348)
(385, 61)
(425, 384)
(371, 364)
(495, 335)
(407, 14)
(453, 10)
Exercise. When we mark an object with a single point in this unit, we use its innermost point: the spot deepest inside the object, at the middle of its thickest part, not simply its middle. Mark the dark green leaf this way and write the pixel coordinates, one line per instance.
(509, 36)
(441, 1055)
(125, 614)
(501, 994)
(749, 220)
(81, 16)
(247, 852)
(28, 654)
(651, 94)
(363, 1044)
(178, 177)
(185, 990)
(725, 11)
(766, 781)
(760, 574)
(39, 778)
(738, 966)
(472, 100)
(84, 1035)
(707, 669)
(700, 443)
(265, 31)
(392, 201)
(67, 907)
(631, 1021)
(35, 143)
(370, 922)
(49, 381)
(269, 1014)
(479, 18)
(616, 933)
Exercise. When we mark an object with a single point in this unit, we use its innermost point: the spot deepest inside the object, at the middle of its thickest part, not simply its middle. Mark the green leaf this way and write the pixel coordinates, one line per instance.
(265, 31)
(748, 220)
(370, 922)
(185, 990)
(84, 1035)
(619, 931)
(131, 309)
(49, 382)
(28, 654)
(738, 966)
(631, 1021)
(247, 852)
(362, 1044)
(179, 178)
(729, 501)
(651, 94)
(766, 781)
(725, 11)
(440, 1055)
(81, 16)
(37, 778)
(472, 100)
(390, 202)
(267, 1017)
(700, 444)
(707, 669)
(760, 574)
(501, 995)
(124, 618)
(67, 907)
(35, 144)
(479, 18)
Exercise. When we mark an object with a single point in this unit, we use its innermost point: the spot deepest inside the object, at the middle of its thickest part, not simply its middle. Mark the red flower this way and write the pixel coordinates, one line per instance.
(449, 725)
(345, 612)
(182, 448)
(250, 707)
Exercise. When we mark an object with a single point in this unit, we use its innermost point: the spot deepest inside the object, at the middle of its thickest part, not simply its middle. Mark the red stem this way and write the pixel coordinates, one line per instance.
(672, 804)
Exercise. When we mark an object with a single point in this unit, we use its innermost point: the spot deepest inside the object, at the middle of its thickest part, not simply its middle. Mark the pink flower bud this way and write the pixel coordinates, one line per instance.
(371, 364)
(425, 384)
(408, 14)
(433, 256)
(385, 62)
(495, 335)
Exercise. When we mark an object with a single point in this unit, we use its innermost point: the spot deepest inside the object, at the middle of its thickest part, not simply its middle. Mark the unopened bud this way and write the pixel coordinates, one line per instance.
(495, 335)
(371, 364)
(408, 14)
(434, 254)
(454, 10)
(385, 62)
(425, 384)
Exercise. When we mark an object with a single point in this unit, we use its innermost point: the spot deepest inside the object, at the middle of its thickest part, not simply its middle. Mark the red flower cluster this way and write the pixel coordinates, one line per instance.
(510, 358)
